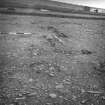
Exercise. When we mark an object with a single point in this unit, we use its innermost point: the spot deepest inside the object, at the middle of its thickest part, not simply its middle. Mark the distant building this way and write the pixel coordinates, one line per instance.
(97, 10)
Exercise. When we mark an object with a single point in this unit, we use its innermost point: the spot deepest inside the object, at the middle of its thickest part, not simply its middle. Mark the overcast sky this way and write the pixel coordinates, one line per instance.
(93, 3)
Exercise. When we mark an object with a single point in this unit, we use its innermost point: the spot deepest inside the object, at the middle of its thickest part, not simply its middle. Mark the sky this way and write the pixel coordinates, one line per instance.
(91, 3)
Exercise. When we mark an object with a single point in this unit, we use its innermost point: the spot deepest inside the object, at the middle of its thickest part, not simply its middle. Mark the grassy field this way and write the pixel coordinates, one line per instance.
(58, 61)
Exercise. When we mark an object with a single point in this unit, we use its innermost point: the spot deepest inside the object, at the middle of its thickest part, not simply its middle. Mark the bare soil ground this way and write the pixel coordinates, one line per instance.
(58, 61)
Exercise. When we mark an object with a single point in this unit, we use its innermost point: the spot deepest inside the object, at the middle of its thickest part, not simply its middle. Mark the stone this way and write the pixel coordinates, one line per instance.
(31, 80)
(103, 97)
(60, 86)
(52, 95)
(87, 52)
(83, 101)
(52, 74)
(74, 97)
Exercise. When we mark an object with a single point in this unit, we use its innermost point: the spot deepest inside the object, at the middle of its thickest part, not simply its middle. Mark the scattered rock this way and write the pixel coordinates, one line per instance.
(20, 98)
(74, 97)
(83, 101)
(103, 97)
(51, 74)
(31, 80)
(32, 94)
(59, 86)
(51, 42)
(38, 71)
(20, 95)
(57, 32)
(53, 95)
(87, 52)
(83, 91)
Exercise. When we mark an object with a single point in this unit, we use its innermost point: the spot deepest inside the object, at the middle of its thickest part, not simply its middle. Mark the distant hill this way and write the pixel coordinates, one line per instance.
(40, 4)
(30, 2)
(47, 5)
(33, 3)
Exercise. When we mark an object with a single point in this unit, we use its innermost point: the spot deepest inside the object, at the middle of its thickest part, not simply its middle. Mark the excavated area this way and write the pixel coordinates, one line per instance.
(51, 61)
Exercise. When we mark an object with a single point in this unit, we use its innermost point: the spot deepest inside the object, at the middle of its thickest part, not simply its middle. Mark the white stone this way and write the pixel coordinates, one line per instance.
(27, 33)
(30, 80)
(52, 95)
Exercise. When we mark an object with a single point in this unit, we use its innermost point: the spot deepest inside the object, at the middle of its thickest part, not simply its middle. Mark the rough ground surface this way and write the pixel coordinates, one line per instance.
(61, 63)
